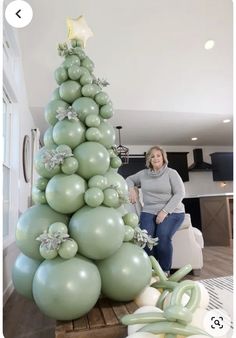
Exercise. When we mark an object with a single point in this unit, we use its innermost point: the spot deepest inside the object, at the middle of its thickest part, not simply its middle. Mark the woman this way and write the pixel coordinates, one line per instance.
(163, 212)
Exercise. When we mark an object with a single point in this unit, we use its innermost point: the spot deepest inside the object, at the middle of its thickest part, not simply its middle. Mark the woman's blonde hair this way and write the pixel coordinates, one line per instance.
(149, 155)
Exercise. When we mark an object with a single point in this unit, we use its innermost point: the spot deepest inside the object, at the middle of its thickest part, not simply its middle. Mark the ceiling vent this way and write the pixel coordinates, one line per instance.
(199, 164)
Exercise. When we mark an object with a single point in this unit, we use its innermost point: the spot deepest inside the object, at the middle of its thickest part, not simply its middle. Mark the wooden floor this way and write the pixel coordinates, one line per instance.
(22, 319)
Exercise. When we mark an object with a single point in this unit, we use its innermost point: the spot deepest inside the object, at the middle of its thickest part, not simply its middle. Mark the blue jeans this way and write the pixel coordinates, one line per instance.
(163, 251)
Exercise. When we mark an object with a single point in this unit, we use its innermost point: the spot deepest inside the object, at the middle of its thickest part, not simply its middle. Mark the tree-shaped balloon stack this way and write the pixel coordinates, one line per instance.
(75, 241)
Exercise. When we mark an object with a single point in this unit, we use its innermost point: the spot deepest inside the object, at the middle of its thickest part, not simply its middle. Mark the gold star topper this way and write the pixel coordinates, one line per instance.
(78, 29)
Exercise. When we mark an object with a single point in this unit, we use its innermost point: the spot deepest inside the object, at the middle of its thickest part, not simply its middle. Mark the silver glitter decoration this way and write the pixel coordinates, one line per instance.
(52, 241)
(69, 112)
(142, 239)
(53, 157)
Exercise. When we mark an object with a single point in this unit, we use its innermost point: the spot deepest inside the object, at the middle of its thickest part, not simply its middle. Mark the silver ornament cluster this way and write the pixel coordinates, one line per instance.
(52, 241)
(53, 157)
(142, 239)
(69, 113)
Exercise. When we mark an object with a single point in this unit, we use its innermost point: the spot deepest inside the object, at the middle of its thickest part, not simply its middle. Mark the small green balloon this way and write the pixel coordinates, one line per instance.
(68, 249)
(69, 166)
(23, 273)
(48, 139)
(85, 106)
(80, 52)
(93, 197)
(47, 253)
(131, 219)
(98, 181)
(111, 198)
(102, 98)
(70, 91)
(60, 75)
(106, 111)
(90, 90)
(58, 227)
(52, 108)
(115, 162)
(69, 132)
(71, 60)
(41, 183)
(86, 79)
(63, 148)
(93, 134)
(88, 63)
(56, 95)
(129, 233)
(74, 72)
(92, 120)
(84, 71)
(38, 196)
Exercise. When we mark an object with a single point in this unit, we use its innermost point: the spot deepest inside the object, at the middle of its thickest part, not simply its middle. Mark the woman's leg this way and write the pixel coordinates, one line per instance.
(147, 222)
(165, 231)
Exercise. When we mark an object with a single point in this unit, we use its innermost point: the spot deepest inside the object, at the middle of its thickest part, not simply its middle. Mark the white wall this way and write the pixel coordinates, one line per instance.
(200, 183)
(22, 123)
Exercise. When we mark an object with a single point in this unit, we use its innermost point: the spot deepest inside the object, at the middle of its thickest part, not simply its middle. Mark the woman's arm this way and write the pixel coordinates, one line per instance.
(178, 190)
(133, 182)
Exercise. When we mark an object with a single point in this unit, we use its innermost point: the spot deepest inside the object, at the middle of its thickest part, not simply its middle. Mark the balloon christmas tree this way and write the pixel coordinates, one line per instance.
(75, 241)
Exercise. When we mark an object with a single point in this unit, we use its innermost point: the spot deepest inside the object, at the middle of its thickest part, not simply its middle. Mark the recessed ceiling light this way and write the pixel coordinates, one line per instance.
(194, 138)
(226, 121)
(209, 44)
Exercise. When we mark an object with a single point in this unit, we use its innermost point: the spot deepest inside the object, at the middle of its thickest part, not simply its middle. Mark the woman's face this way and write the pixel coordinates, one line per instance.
(156, 159)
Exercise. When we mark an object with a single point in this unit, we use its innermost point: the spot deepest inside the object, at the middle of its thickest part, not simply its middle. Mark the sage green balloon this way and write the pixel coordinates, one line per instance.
(88, 63)
(69, 166)
(32, 223)
(98, 181)
(47, 253)
(61, 75)
(56, 95)
(111, 153)
(86, 79)
(58, 227)
(106, 111)
(51, 110)
(38, 196)
(23, 272)
(116, 179)
(126, 273)
(68, 249)
(99, 232)
(65, 193)
(41, 183)
(69, 132)
(93, 159)
(102, 98)
(48, 139)
(74, 72)
(93, 197)
(90, 90)
(108, 134)
(66, 289)
(63, 148)
(129, 233)
(85, 106)
(131, 219)
(111, 198)
(84, 71)
(115, 162)
(40, 166)
(92, 120)
(71, 60)
(93, 134)
(70, 91)
(80, 52)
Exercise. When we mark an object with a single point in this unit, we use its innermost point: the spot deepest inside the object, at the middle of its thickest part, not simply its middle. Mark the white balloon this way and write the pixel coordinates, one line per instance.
(149, 296)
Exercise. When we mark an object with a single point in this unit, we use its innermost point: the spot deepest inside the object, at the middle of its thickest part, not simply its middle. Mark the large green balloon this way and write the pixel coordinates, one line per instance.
(99, 231)
(61, 75)
(111, 198)
(23, 273)
(51, 110)
(106, 111)
(69, 132)
(126, 273)
(93, 159)
(66, 289)
(71, 60)
(65, 193)
(108, 134)
(32, 223)
(40, 167)
(70, 91)
(74, 72)
(86, 79)
(102, 98)
(48, 139)
(88, 63)
(85, 106)
(116, 179)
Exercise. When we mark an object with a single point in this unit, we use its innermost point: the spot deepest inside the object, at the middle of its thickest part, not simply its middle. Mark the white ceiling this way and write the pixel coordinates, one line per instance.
(165, 87)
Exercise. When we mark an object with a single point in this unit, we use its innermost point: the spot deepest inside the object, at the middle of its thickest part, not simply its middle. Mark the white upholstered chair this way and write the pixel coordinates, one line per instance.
(187, 243)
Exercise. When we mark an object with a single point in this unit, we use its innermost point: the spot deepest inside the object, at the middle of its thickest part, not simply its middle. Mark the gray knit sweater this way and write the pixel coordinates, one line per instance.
(162, 189)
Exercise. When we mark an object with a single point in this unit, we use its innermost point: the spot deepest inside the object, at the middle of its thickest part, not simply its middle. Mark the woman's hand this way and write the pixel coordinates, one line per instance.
(161, 216)
(133, 195)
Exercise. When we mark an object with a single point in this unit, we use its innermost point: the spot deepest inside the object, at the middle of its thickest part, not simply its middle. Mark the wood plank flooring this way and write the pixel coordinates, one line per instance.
(22, 319)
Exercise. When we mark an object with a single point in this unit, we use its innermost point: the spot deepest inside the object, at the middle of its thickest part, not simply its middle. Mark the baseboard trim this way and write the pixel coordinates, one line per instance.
(7, 292)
